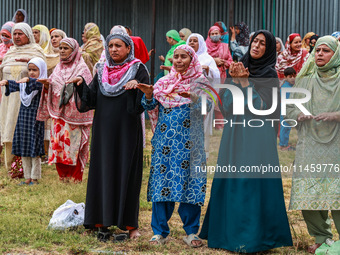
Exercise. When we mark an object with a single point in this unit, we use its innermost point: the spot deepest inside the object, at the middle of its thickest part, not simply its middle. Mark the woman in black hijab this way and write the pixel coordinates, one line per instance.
(312, 42)
(246, 211)
(262, 71)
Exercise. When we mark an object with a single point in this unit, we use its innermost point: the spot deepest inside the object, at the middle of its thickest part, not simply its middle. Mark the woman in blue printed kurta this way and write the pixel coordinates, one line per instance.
(171, 172)
(178, 153)
(28, 140)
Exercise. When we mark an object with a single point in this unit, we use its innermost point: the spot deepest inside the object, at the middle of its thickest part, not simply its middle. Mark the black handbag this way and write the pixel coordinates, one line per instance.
(66, 94)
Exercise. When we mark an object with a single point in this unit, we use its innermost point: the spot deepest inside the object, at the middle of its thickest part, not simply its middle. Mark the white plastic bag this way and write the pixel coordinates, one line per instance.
(68, 215)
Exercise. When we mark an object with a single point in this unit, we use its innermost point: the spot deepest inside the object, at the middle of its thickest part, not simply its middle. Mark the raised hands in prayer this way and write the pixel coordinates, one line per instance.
(328, 116)
(206, 68)
(23, 80)
(233, 33)
(190, 95)
(45, 82)
(146, 89)
(239, 73)
(161, 58)
(77, 80)
(166, 68)
(131, 85)
(303, 117)
(3, 82)
(151, 51)
(219, 61)
(325, 116)
(237, 70)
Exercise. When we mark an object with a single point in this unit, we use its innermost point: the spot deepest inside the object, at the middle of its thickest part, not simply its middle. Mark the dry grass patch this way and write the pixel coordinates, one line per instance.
(26, 211)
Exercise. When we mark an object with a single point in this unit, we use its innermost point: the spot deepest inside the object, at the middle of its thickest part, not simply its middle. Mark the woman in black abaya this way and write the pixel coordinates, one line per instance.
(116, 163)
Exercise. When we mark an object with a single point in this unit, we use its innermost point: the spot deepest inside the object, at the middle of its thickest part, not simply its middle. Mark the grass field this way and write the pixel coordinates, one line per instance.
(25, 213)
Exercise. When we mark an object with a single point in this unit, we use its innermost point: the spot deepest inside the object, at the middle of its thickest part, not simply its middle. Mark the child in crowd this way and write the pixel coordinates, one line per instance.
(289, 77)
(28, 140)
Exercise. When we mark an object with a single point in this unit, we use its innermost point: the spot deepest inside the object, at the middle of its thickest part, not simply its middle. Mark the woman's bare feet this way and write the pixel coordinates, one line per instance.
(196, 243)
(157, 240)
(134, 234)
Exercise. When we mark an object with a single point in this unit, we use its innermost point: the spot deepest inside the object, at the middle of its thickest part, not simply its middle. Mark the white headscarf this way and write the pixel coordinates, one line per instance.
(103, 40)
(40, 63)
(26, 29)
(29, 50)
(118, 28)
(25, 98)
(281, 43)
(205, 59)
(23, 12)
(62, 34)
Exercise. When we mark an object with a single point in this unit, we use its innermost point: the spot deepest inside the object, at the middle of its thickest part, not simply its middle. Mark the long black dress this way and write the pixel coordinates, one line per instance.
(116, 163)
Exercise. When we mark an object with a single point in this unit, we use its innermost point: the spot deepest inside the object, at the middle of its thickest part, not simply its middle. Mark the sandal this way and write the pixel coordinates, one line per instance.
(158, 239)
(120, 237)
(25, 183)
(192, 237)
(103, 236)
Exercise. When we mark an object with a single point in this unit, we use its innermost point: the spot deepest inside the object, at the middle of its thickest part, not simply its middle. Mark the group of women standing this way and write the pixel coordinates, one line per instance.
(216, 44)
(72, 117)
(227, 224)
(68, 130)
(14, 67)
(69, 144)
(246, 212)
(294, 56)
(213, 52)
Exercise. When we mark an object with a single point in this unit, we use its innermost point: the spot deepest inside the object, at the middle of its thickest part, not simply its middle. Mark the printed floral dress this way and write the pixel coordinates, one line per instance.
(65, 142)
(177, 151)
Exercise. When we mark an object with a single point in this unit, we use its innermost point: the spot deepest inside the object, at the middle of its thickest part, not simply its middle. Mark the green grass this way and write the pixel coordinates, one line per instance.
(25, 212)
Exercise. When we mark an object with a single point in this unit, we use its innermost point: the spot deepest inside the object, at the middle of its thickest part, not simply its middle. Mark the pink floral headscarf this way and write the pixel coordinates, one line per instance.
(66, 69)
(74, 56)
(113, 76)
(288, 59)
(167, 89)
(73, 66)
